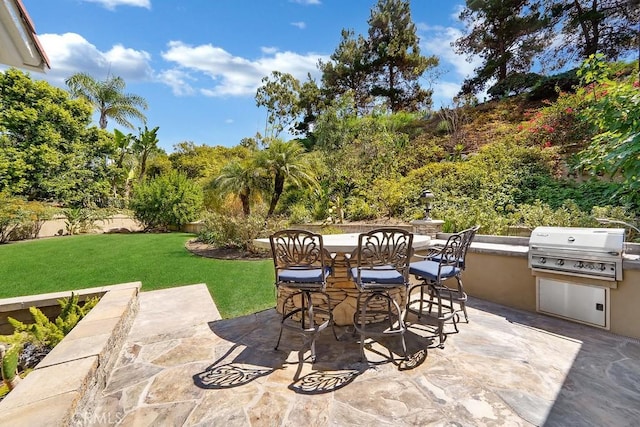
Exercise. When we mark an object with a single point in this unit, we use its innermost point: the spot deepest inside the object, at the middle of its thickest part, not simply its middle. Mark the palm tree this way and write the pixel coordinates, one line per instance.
(241, 178)
(145, 144)
(108, 98)
(286, 161)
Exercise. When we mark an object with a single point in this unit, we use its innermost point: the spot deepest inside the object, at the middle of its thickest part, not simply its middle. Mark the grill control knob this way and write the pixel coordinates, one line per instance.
(602, 267)
(560, 262)
(579, 264)
(543, 260)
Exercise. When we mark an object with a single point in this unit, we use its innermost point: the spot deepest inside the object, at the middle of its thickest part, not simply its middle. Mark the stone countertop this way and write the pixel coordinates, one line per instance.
(519, 247)
(347, 242)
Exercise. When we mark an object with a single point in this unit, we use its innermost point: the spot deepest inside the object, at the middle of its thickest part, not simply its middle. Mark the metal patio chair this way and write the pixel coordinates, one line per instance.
(441, 264)
(301, 265)
(458, 294)
(380, 266)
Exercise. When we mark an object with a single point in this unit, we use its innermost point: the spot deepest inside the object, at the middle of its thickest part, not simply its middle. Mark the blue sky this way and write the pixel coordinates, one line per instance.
(199, 62)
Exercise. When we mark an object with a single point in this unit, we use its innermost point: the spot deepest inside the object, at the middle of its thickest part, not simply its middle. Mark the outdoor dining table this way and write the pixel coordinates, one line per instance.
(341, 289)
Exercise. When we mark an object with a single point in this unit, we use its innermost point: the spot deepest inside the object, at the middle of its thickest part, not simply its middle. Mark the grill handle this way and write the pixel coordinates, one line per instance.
(613, 253)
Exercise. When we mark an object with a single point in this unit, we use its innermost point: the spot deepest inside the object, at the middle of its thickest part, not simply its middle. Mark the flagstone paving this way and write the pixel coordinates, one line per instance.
(184, 366)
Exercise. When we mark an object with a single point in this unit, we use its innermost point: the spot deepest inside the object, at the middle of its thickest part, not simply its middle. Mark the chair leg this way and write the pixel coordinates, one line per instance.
(462, 299)
(279, 336)
(401, 325)
(308, 327)
(360, 322)
(330, 311)
(421, 300)
(360, 319)
(306, 295)
(284, 317)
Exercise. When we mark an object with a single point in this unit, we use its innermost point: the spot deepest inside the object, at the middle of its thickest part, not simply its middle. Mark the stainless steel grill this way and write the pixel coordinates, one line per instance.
(585, 252)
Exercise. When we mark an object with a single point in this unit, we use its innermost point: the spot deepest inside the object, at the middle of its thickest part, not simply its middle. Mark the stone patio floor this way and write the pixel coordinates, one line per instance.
(184, 366)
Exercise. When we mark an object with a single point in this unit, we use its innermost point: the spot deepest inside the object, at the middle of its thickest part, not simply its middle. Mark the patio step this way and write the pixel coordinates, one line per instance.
(70, 377)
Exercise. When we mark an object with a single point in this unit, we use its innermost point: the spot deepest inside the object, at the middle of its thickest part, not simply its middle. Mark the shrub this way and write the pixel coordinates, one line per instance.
(46, 333)
(36, 215)
(82, 220)
(389, 195)
(514, 84)
(30, 343)
(12, 215)
(357, 209)
(167, 201)
(465, 212)
(299, 214)
(235, 232)
(548, 87)
(20, 219)
(558, 124)
(9, 365)
(538, 213)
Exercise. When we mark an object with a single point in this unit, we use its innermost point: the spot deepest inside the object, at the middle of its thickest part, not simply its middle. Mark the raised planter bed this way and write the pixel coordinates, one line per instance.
(61, 389)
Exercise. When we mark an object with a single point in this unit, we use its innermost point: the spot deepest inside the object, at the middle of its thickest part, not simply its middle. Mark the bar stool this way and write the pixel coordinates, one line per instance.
(301, 265)
(381, 265)
(442, 264)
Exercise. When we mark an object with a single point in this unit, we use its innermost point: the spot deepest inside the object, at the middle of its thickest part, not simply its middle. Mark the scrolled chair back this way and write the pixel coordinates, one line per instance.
(467, 237)
(385, 248)
(453, 251)
(297, 249)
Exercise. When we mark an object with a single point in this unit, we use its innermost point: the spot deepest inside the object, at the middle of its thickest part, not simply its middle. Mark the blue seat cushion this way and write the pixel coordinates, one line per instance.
(429, 270)
(438, 257)
(382, 275)
(312, 275)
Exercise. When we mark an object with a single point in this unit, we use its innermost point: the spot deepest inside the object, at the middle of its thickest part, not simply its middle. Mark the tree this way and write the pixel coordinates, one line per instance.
(144, 145)
(108, 98)
(285, 161)
(311, 104)
(615, 113)
(506, 34)
(47, 153)
(241, 178)
(608, 27)
(280, 95)
(348, 71)
(122, 173)
(201, 162)
(394, 57)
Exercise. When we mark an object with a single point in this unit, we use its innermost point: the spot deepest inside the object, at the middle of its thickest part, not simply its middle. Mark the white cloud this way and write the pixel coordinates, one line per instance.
(444, 92)
(177, 81)
(306, 2)
(71, 53)
(457, 11)
(299, 24)
(112, 4)
(234, 75)
(454, 68)
(439, 42)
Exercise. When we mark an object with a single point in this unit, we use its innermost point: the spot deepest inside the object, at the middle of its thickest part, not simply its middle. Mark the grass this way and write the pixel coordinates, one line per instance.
(157, 260)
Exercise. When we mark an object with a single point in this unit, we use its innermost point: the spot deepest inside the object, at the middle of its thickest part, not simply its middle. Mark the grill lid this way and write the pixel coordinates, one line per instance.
(604, 240)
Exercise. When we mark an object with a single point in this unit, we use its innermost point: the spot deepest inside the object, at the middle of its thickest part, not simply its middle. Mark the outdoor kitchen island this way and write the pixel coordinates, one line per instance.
(498, 270)
(341, 289)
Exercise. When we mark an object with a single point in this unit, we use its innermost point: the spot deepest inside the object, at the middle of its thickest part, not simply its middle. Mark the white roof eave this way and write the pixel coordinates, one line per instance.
(19, 45)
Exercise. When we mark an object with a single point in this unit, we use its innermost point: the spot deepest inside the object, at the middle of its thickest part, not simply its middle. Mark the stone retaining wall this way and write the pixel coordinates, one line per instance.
(61, 390)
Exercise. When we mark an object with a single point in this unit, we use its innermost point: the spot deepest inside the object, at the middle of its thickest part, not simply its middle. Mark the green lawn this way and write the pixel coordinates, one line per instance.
(157, 260)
